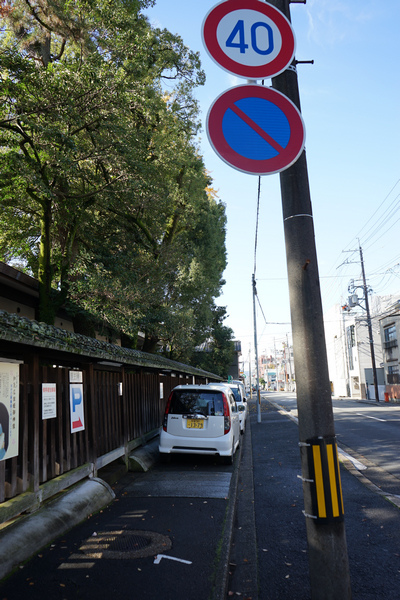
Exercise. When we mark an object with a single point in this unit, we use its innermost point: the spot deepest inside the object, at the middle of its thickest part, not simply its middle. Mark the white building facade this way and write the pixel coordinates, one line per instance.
(349, 347)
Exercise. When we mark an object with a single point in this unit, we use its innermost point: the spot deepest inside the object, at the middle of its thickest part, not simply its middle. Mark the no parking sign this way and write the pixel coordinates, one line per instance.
(255, 129)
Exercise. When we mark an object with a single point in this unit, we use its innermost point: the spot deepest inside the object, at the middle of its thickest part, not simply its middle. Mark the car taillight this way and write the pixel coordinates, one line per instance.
(227, 417)
(166, 412)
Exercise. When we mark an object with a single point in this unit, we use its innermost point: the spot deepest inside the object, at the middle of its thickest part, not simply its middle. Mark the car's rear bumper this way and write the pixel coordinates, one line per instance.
(174, 444)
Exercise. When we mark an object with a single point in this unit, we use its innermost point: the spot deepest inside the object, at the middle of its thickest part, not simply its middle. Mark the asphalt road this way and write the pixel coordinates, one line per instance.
(162, 536)
(368, 431)
(372, 522)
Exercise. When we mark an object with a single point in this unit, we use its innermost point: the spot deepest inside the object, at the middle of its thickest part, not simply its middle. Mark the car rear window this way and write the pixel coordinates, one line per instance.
(236, 393)
(187, 402)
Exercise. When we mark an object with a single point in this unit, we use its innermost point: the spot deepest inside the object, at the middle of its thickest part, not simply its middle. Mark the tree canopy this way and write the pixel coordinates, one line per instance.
(104, 195)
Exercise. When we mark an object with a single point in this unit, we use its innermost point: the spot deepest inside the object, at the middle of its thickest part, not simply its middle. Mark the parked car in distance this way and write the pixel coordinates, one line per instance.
(241, 401)
(241, 385)
(200, 419)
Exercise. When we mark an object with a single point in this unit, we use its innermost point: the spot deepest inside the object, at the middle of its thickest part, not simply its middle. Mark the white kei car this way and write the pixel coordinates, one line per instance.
(241, 401)
(200, 419)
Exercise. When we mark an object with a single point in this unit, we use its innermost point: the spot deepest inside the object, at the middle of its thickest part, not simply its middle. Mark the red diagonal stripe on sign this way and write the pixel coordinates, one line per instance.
(261, 132)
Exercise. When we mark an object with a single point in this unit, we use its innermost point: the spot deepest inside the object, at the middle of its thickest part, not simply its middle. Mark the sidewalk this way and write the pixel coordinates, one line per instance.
(372, 522)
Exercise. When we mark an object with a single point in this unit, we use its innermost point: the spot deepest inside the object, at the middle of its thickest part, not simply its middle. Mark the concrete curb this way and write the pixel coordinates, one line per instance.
(144, 457)
(222, 570)
(20, 541)
(243, 563)
(382, 402)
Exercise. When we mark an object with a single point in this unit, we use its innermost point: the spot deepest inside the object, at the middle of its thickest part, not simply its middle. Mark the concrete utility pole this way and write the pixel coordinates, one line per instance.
(370, 336)
(327, 548)
(290, 363)
(251, 393)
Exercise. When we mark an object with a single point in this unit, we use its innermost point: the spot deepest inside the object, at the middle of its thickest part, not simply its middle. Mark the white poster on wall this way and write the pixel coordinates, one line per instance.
(75, 377)
(76, 405)
(49, 400)
(9, 410)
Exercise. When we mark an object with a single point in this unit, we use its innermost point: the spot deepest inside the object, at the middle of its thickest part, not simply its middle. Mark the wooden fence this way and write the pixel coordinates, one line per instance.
(123, 407)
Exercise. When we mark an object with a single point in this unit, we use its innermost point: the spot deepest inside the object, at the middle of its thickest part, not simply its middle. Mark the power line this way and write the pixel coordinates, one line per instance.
(257, 220)
(262, 312)
(367, 234)
(383, 233)
(358, 235)
(321, 277)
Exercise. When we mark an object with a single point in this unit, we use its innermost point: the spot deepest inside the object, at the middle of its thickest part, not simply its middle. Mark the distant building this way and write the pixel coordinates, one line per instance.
(278, 371)
(390, 335)
(349, 352)
(20, 295)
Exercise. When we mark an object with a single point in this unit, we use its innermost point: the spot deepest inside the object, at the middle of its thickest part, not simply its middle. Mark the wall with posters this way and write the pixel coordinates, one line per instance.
(70, 405)
(9, 410)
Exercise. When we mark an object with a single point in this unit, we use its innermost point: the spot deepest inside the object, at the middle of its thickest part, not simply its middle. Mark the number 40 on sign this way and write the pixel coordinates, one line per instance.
(249, 38)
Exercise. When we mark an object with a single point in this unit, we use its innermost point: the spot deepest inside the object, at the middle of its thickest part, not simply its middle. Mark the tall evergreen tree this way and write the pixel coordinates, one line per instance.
(102, 190)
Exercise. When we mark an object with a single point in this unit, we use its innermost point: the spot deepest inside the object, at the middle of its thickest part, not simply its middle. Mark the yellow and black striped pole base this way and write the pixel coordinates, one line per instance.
(324, 479)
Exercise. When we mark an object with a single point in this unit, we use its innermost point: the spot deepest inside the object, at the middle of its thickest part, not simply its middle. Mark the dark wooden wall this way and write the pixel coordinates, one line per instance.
(48, 449)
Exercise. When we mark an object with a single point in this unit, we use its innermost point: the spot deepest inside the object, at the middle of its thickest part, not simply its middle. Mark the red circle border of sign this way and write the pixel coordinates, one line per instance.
(234, 159)
(278, 65)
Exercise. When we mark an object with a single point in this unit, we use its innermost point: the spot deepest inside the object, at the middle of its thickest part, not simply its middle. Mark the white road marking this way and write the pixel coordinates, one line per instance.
(368, 417)
(158, 558)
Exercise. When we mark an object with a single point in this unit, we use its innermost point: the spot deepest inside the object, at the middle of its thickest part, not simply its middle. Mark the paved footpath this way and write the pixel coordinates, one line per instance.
(372, 523)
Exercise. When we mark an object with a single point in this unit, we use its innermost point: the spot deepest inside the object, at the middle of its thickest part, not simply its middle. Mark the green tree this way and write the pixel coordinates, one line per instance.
(103, 193)
(81, 95)
(217, 353)
(164, 283)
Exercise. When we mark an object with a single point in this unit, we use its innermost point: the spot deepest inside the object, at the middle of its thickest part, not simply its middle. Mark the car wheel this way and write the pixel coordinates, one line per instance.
(228, 460)
(165, 459)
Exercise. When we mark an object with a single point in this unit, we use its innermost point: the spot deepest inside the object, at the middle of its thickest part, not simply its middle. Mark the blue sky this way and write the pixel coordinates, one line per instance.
(350, 101)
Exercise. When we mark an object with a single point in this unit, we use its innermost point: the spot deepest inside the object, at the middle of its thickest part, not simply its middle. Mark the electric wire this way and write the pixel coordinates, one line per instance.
(257, 220)
(374, 229)
(358, 235)
(265, 320)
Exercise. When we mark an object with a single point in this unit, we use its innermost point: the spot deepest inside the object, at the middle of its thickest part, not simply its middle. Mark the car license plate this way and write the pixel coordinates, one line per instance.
(195, 423)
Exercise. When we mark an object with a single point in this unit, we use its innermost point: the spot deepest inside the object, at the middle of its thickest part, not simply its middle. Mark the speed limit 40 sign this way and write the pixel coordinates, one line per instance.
(249, 38)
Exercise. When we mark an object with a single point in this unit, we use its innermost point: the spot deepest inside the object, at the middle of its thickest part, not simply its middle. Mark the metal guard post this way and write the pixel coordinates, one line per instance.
(324, 479)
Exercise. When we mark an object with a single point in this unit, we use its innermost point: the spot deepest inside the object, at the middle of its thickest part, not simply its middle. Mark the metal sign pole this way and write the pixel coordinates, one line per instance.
(256, 352)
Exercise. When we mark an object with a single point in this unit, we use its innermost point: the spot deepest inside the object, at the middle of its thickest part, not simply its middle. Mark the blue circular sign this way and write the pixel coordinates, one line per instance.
(256, 129)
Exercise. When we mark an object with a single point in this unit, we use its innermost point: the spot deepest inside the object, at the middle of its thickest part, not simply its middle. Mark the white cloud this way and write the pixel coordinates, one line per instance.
(331, 23)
